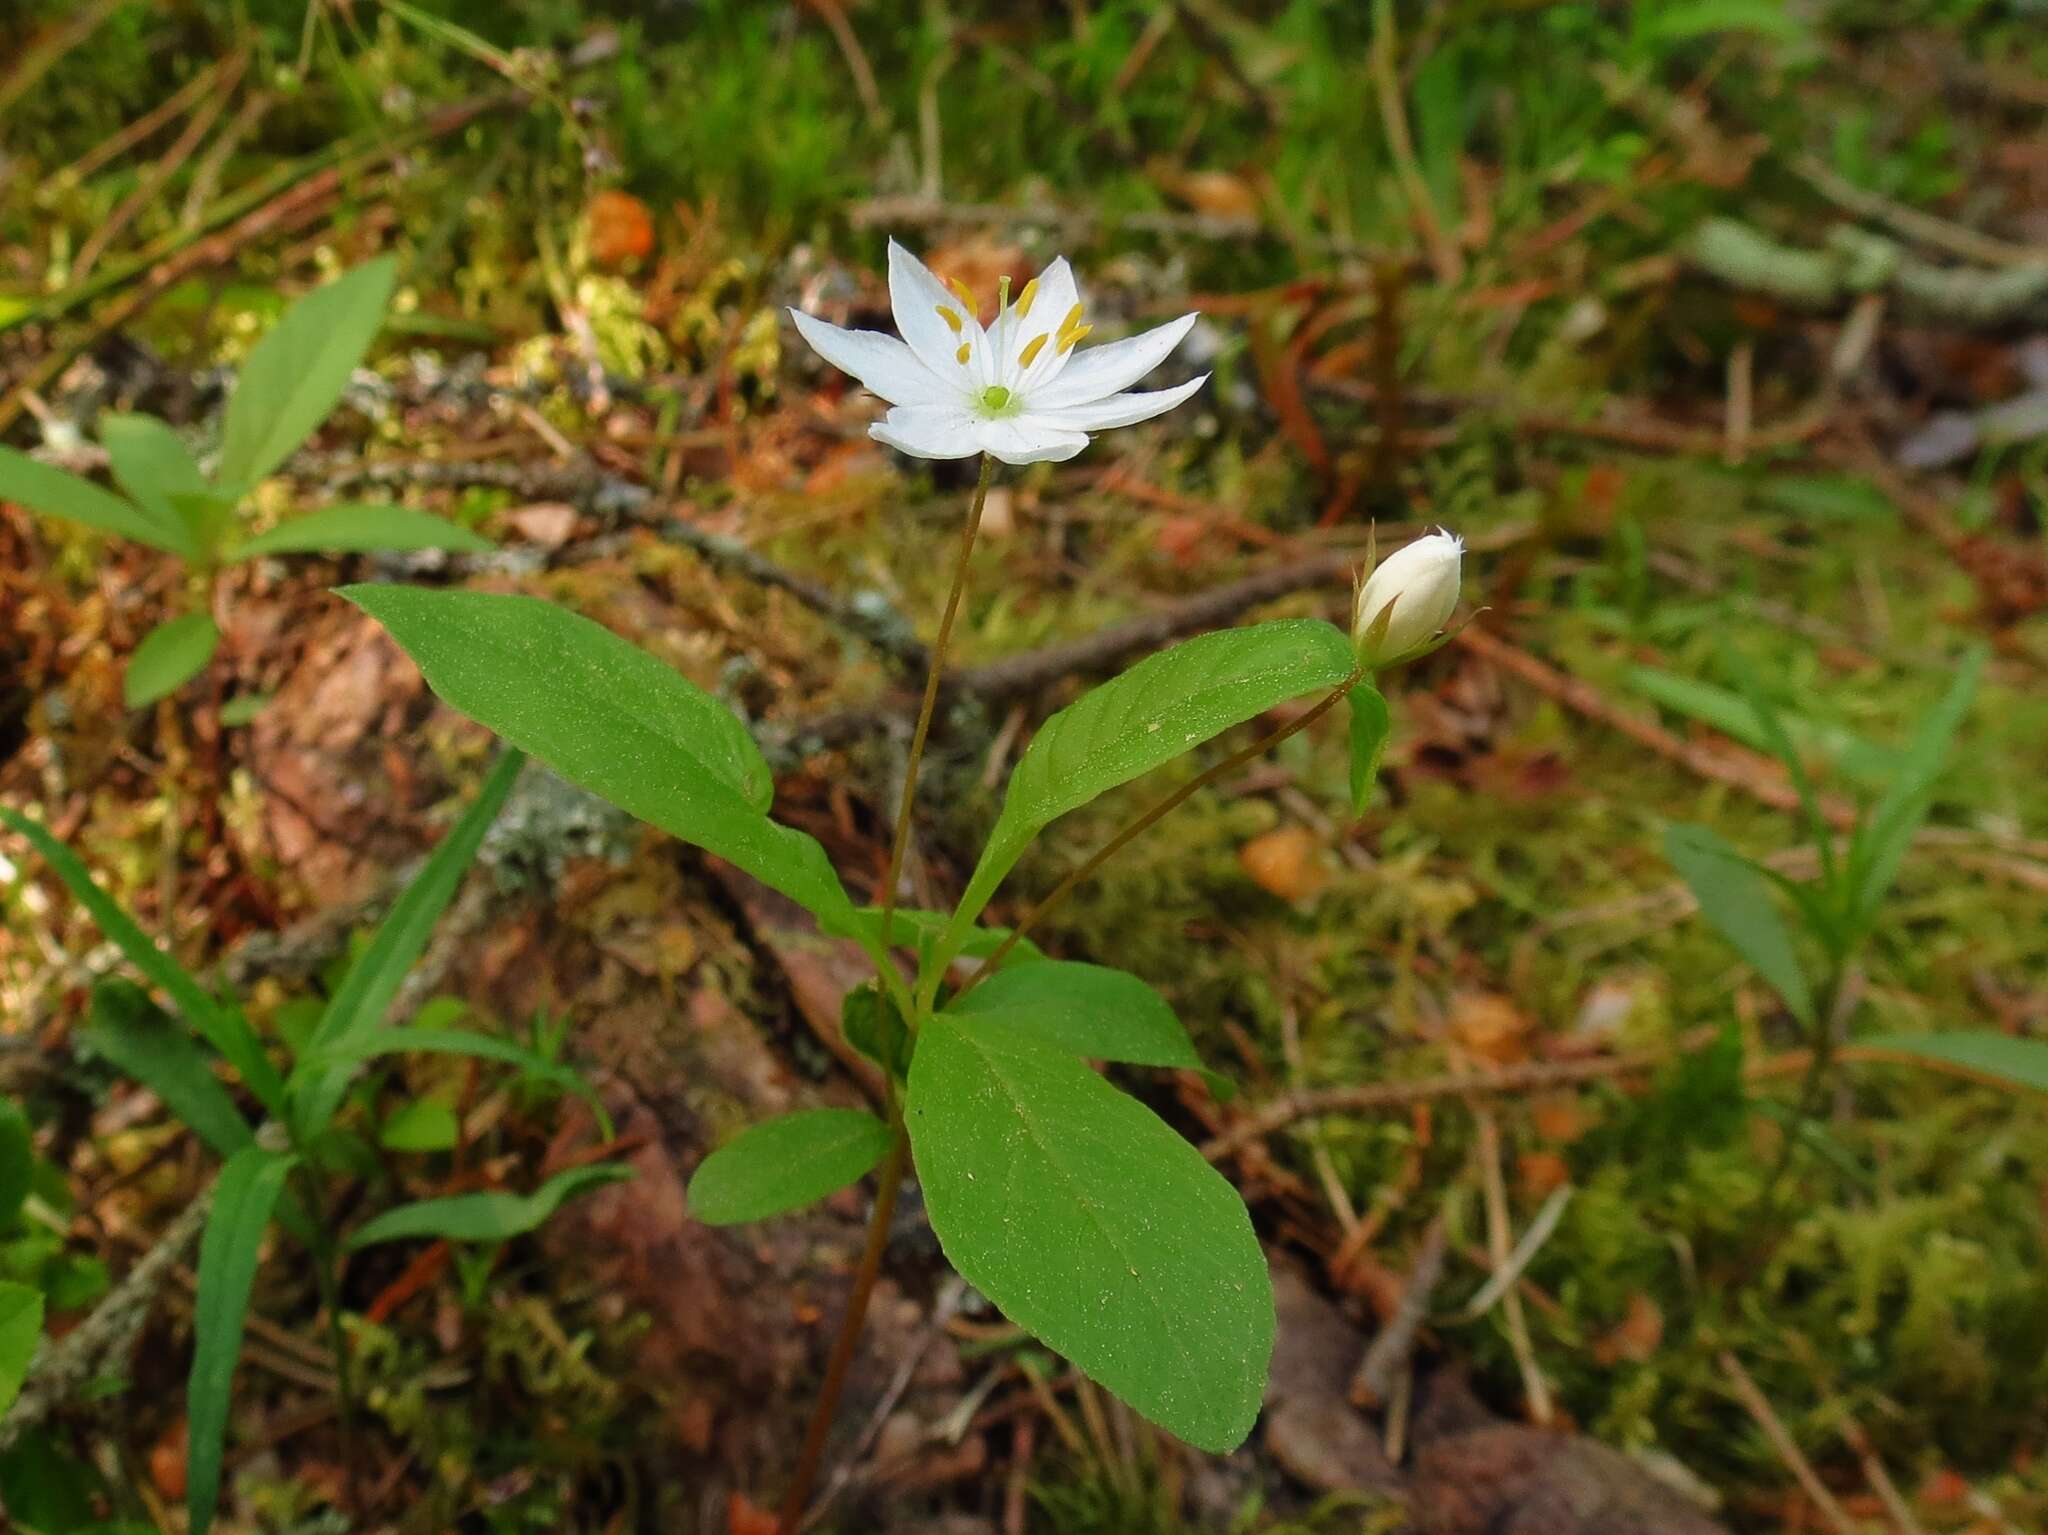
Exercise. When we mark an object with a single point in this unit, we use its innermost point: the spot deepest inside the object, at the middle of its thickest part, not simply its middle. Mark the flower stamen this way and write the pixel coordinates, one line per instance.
(967, 299)
(1073, 338)
(1037, 344)
(1026, 299)
(1073, 318)
(961, 356)
(951, 316)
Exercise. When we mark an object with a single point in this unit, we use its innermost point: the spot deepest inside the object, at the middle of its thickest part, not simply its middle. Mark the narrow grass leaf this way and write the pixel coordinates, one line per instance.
(17, 1160)
(786, 1163)
(494, 1217)
(243, 1200)
(434, 1041)
(364, 529)
(146, 1043)
(1881, 842)
(425, 1125)
(223, 1027)
(364, 997)
(1979, 1053)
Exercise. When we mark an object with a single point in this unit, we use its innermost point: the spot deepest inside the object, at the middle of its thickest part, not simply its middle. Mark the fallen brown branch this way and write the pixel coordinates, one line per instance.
(1722, 762)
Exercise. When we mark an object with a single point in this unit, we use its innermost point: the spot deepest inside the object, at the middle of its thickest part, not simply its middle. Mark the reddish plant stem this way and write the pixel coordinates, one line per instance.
(901, 843)
(890, 1182)
(1144, 822)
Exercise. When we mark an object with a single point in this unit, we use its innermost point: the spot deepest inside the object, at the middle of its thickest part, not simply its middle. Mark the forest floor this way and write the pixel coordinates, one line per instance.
(1579, 282)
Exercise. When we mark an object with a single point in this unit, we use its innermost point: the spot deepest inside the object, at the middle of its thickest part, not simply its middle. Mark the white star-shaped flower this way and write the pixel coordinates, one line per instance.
(1022, 389)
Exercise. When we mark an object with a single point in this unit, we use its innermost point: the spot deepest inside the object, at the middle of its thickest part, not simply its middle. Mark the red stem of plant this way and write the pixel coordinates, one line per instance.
(891, 1180)
(1144, 822)
(901, 842)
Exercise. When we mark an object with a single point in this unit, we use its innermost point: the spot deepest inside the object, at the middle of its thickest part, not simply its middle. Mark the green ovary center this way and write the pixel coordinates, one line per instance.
(996, 399)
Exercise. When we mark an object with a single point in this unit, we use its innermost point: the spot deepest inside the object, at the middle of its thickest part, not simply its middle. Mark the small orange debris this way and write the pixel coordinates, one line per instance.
(167, 1462)
(1636, 1337)
(1490, 1027)
(1286, 863)
(620, 227)
(1542, 1172)
(744, 1517)
(1560, 1117)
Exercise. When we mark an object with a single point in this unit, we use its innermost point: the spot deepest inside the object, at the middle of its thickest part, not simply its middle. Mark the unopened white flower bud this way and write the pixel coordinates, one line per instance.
(1407, 600)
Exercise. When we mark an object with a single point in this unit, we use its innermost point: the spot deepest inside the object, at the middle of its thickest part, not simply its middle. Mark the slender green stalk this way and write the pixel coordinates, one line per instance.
(890, 1182)
(1819, 1069)
(326, 1275)
(901, 842)
(1144, 822)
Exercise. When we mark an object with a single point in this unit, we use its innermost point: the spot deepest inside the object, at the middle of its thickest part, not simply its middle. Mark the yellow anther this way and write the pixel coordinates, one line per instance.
(1030, 352)
(1025, 299)
(1073, 318)
(1073, 337)
(950, 315)
(961, 355)
(966, 298)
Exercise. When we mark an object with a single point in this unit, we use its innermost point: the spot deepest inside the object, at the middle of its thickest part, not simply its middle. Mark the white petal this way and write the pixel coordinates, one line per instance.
(1103, 370)
(917, 297)
(1119, 409)
(883, 364)
(1052, 303)
(1027, 440)
(925, 431)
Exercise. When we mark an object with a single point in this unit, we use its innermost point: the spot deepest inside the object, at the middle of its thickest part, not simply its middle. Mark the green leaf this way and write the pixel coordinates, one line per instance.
(1166, 705)
(1881, 842)
(297, 372)
(243, 709)
(1091, 1224)
(17, 1161)
(47, 1490)
(921, 930)
(1371, 725)
(1736, 898)
(243, 1200)
(873, 1024)
(785, 1164)
(610, 717)
(1734, 715)
(57, 494)
(1771, 729)
(223, 1027)
(21, 1331)
(491, 1217)
(354, 529)
(1704, 18)
(420, 1040)
(425, 1125)
(1091, 1010)
(146, 1043)
(365, 994)
(1980, 1053)
(152, 463)
(170, 655)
